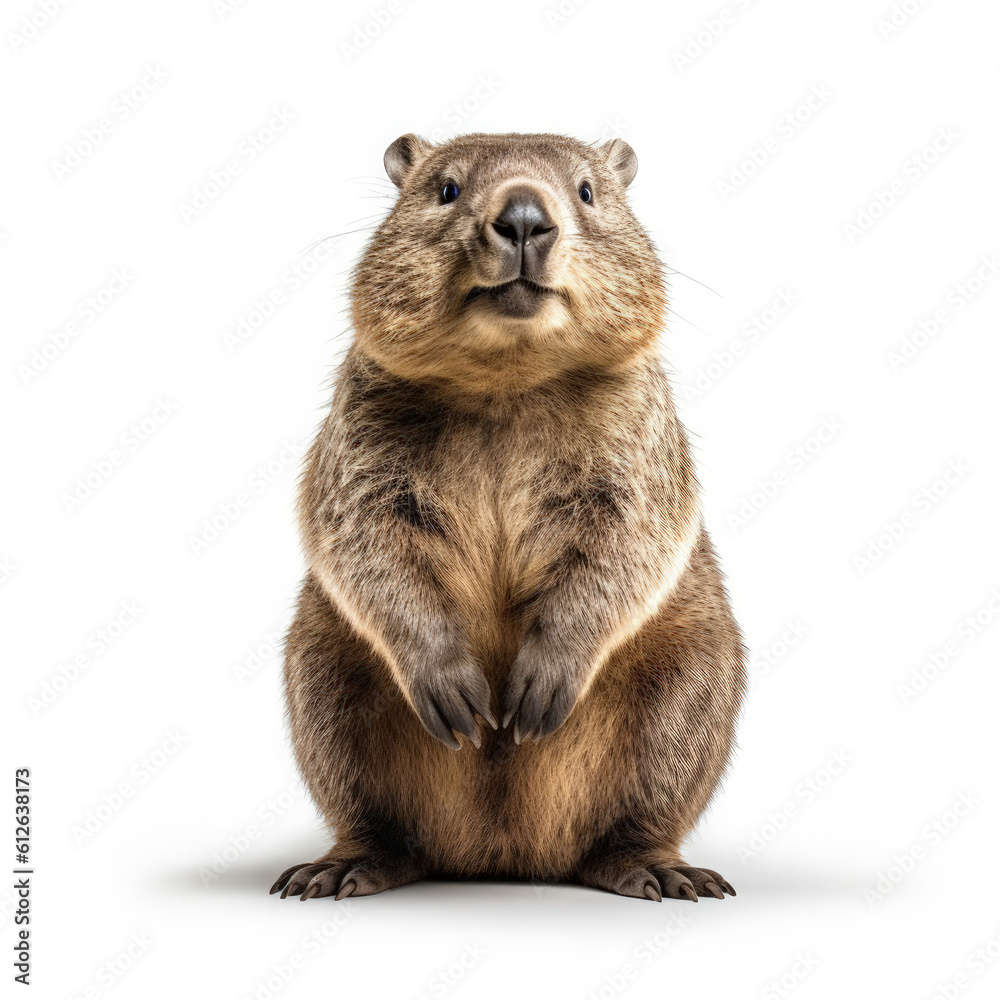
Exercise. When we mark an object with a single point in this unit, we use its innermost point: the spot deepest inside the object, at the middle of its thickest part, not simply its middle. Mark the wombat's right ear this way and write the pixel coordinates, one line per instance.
(621, 158)
(403, 155)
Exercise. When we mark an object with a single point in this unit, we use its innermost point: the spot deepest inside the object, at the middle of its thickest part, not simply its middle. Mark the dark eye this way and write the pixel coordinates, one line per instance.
(449, 192)
(586, 192)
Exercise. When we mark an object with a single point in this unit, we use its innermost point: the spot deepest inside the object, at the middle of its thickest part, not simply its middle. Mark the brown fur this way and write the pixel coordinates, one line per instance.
(502, 525)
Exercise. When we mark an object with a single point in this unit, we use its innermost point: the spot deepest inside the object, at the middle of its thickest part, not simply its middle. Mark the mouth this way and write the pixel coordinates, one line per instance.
(520, 298)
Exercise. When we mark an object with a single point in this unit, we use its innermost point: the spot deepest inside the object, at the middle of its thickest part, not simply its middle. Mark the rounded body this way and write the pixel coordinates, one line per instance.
(513, 654)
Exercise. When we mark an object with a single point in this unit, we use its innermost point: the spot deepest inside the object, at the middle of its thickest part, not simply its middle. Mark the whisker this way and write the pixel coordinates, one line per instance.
(673, 270)
(312, 246)
(673, 312)
(347, 232)
(362, 229)
(370, 177)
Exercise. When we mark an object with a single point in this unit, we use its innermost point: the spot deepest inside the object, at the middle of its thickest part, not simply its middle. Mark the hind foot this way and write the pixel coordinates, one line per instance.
(654, 881)
(347, 873)
(678, 881)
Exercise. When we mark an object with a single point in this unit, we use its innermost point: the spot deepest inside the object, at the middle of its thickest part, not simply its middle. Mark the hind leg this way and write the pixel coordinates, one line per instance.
(636, 871)
(340, 707)
(350, 869)
(686, 669)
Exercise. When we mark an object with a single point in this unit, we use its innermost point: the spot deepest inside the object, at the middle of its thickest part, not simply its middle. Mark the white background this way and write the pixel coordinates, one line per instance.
(858, 822)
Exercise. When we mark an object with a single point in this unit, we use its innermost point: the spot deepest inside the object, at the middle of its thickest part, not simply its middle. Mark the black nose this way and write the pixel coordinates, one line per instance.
(525, 233)
(522, 218)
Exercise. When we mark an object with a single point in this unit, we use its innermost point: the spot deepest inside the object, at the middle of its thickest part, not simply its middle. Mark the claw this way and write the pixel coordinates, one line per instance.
(687, 891)
(652, 892)
(347, 889)
(714, 890)
(283, 877)
(310, 891)
(481, 708)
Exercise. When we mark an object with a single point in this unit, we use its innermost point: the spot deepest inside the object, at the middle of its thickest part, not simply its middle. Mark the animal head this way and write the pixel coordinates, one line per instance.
(507, 260)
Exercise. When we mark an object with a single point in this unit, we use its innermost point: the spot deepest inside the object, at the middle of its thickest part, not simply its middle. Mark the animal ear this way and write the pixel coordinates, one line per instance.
(403, 155)
(621, 158)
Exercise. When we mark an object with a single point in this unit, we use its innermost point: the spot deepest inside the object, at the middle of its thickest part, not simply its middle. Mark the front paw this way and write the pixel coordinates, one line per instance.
(447, 699)
(541, 692)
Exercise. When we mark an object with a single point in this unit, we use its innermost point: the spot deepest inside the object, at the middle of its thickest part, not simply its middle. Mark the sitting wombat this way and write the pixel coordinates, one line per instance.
(513, 655)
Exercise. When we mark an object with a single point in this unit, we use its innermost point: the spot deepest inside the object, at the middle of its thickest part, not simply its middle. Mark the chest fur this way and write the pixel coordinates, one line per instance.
(508, 501)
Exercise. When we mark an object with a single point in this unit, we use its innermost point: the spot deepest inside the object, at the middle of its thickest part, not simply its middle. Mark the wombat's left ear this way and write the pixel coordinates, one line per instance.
(621, 158)
(403, 155)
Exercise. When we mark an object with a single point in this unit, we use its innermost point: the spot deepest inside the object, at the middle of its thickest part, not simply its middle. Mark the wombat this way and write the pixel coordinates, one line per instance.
(513, 655)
